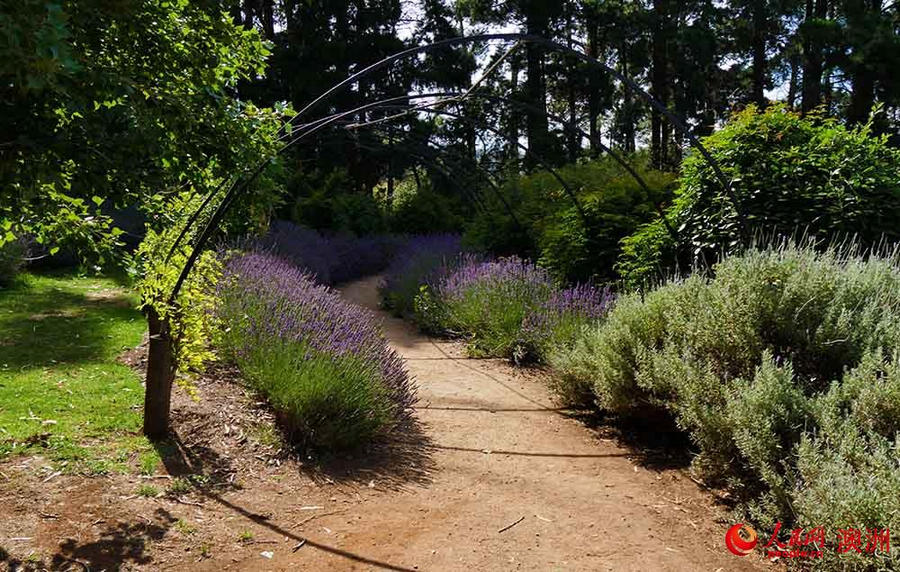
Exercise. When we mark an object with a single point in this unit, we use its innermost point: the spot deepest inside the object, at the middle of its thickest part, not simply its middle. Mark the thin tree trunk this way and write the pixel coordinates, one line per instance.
(862, 77)
(759, 54)
(573, 139)
(793, 83)
(390, 172)
(813, 60)
(160, 375)
(415, 170)
(659, 83)
(513, 147)
(536, 123)
(268, 19)
(593, 87)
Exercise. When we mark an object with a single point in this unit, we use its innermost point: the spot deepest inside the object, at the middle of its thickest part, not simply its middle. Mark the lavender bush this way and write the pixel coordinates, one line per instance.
(505, 307)
(512, 308)
(557, 321)
(331, 259)
(320, 361)
(420, 260)
(488, 301)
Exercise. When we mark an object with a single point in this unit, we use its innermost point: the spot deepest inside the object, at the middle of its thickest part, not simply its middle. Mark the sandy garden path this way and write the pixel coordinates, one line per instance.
(515, 485)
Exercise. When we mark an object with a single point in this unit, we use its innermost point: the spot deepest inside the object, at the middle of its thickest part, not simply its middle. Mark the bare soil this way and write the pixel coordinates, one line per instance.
(493, 477)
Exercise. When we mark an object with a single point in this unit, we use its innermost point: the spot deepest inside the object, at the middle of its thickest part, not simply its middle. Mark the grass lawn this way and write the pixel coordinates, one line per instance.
(62, 393)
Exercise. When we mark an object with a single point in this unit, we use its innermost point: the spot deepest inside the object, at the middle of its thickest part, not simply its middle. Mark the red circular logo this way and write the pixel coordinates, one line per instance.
(739, 544)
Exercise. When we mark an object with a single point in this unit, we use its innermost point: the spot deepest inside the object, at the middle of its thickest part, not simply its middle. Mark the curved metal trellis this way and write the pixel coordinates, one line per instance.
(160, 359)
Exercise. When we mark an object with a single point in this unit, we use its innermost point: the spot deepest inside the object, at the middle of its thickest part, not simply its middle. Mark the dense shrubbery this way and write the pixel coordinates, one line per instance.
(414, 264)
(320, 361)
(783, 371)
(332, 259)
(790, 174)
(552, 230)
(11, 259)
(504, 307)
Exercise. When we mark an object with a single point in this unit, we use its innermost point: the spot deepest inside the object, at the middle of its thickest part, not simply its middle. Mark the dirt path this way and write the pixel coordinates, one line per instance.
(503, 457)
(497, 480)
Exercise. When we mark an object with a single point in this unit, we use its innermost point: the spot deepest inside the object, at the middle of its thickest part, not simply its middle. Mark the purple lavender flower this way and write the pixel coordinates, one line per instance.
(331, 258)
(421, 259)
(559, 318)
(278, 321)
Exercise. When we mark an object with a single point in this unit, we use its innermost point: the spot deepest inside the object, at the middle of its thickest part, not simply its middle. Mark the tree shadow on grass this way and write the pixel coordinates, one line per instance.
(53, 326)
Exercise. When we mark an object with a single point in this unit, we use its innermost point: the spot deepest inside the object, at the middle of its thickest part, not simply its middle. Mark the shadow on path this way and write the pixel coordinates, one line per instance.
(533, 454)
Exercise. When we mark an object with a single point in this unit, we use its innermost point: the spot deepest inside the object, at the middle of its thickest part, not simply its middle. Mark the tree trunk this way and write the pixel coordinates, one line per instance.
(573, 139)
(390, 172)
(593, 86)
(268, 19)
(536, 124)
(513, 147)
(759, 54)
(862, 77)
(793, 83)
(160, 375)
(415, 170)
(812, 57)
(659, 87)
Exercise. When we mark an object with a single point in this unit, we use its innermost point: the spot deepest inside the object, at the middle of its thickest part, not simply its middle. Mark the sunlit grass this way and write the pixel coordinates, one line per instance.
(62, 393)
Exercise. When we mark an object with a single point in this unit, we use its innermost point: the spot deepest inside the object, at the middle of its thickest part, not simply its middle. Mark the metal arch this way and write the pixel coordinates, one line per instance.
(236, 180)
(487, 177)
(431, 161)
(554, 46)
(236, 188)
(231, 195)
(451, 97)
(455, 98)
(595, 141)
(546, 166)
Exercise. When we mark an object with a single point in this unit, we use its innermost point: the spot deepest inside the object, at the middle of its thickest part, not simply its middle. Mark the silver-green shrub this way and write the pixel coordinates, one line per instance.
(783, 367)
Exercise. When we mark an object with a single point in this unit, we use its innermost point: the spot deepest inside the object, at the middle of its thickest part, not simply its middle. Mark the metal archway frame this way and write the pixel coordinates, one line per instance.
(161, 366)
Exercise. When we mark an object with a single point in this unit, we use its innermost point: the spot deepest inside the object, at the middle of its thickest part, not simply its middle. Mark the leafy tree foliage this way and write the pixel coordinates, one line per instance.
(114, 104)
(544, 222)
(790, 174)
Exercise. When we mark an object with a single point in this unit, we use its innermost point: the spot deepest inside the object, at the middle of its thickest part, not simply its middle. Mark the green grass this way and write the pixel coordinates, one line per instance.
(62, 393)
(148, 491)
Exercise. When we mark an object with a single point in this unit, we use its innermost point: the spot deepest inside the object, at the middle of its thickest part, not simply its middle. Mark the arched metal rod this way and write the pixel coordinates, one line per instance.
(553, 46)
(593, 140)
(193, 218)
(487, 177)
(454, 98)
(430, 161)
(237, 187)
(450, 97)
(447, 96)
(229, 198)
(541, 161)
(235, 180)
(442, 166)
